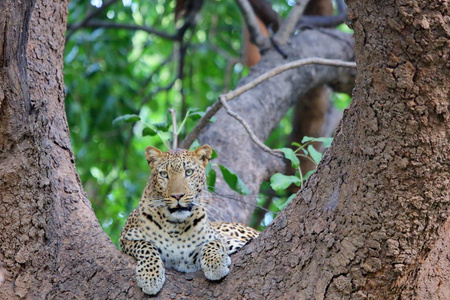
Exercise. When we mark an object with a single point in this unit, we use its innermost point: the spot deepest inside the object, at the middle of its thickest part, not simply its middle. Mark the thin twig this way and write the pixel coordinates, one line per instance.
(288, 26)
(105, 24)
(190, 138)
(249, 130)
(256, 35)
(210, 112)
(174, 128)
(89, 17)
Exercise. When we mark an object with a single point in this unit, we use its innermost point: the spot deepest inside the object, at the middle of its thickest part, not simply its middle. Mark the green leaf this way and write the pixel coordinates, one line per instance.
(325, 140)
(308, 174)
(213, 154)
(125, 119)
(233, 181)
(162, 126)
(316, 155)
(283, 206)
(210, 178)
(280, 182)
(290, 154)
(195, 116)
(148, 131)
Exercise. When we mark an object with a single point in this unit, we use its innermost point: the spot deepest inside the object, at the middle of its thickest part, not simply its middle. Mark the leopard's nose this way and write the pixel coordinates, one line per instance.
(177, 196)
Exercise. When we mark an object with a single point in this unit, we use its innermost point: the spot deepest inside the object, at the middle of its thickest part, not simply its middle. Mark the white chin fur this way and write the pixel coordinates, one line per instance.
(180, 216)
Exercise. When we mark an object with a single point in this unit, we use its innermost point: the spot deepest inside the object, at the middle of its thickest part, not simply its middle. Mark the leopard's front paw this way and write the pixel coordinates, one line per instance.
(150, 277)
(215, 262)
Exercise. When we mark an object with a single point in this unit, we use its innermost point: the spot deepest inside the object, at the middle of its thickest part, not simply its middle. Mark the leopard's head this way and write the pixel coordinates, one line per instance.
(177, 178)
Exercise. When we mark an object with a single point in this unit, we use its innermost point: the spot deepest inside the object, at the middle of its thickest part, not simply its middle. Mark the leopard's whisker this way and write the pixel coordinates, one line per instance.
(221, 196)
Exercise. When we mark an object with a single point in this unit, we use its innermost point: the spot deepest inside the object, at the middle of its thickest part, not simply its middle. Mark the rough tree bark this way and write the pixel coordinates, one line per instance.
(362, 228)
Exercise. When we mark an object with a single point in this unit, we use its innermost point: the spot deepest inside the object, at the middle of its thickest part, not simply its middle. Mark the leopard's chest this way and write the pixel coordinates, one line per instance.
(179, 244)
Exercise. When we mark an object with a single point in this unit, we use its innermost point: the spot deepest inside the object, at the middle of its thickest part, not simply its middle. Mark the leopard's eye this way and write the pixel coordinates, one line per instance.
(164, 174)
(189, 172)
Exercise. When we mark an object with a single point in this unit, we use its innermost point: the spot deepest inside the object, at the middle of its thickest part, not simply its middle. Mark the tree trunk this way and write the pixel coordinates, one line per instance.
(368, 224)
(52, 245)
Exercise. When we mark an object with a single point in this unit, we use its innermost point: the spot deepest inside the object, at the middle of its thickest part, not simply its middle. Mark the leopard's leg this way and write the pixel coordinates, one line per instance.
(150, 273)
(214, 260)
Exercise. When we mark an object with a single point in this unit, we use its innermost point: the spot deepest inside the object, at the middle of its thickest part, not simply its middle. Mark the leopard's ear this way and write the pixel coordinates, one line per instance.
(203, 153)
(152, 154)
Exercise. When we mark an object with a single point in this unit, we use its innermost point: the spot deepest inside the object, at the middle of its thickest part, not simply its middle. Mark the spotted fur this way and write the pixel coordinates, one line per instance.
(170, 227)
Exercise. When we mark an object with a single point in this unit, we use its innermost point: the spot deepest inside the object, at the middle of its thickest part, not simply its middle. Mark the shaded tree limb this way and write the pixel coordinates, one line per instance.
(256, 36)
(263, 9)
(316, 20)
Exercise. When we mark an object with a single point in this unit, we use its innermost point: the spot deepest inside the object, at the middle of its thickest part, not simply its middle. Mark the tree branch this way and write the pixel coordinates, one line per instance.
(256, 35)
(288, 26)
(190, 138)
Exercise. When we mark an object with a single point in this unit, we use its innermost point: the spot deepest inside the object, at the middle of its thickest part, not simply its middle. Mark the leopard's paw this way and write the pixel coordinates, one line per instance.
(150, 278)
(216, 266)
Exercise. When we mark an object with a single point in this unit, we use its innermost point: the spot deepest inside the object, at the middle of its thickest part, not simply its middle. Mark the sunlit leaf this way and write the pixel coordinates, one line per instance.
(233, 181)
(316, 155)
(325, 140)
(290, 155)
(280, 182)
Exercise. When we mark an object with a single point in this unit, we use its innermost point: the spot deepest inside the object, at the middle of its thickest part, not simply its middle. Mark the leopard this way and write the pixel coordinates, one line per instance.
(170, 228)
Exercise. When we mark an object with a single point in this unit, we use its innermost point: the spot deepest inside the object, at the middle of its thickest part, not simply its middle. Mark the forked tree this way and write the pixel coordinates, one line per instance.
(371, 223)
